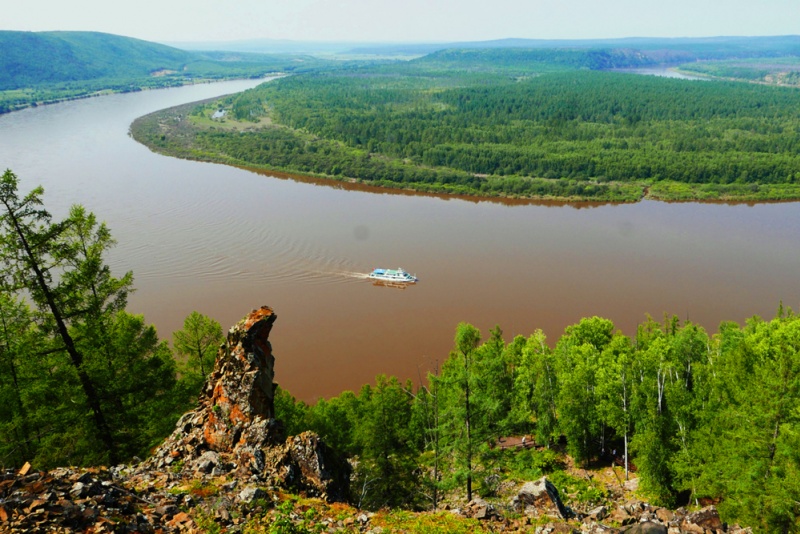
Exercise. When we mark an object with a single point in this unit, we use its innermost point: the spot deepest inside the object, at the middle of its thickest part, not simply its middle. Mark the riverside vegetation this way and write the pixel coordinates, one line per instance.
(701, 417)
(515, 123)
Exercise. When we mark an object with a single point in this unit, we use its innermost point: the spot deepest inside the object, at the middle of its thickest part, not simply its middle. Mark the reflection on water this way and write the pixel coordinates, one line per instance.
(395, 285)
(664, 72)
(223, 240)
(367, 188)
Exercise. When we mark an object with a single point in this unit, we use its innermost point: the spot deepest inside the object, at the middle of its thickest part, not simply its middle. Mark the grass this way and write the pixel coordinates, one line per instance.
(431, 523)
(202, 118)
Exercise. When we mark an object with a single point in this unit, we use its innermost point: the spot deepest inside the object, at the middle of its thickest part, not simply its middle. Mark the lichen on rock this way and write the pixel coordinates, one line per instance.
(233, 430)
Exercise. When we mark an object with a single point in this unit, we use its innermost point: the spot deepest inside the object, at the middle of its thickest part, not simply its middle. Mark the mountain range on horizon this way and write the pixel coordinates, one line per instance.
(713, 45)
(73, 64)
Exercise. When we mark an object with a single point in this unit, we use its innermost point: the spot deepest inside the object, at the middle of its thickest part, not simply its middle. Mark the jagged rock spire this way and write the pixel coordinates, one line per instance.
(233, 430)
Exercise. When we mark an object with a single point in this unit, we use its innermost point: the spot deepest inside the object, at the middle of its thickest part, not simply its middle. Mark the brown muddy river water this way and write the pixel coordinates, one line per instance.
(222, 241)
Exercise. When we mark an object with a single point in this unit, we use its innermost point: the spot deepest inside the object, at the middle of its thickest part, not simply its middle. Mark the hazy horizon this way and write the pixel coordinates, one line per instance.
(415, 21)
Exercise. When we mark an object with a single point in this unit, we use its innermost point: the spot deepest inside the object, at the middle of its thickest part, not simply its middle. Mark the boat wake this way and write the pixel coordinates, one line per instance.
(353, 275)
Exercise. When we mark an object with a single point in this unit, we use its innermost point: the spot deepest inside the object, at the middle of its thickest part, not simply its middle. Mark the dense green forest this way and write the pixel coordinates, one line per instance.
(699, 416)
(44, 67)
(84, 382)
(509, 123)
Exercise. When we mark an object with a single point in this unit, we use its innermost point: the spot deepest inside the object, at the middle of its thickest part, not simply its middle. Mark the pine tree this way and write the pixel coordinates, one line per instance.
(460, 388)
(386, 445)
(198, 341)
(87, 355)
(34, 249)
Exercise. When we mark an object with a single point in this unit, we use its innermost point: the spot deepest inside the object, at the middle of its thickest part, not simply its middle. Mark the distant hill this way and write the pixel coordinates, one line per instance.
(30, 59)
(526, 60)
(33, 59)
(272, 46)
(668, 49)
(46, 67)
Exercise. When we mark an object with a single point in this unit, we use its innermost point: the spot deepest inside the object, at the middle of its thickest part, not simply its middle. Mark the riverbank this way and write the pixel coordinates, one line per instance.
(30, 97)
(183, 132)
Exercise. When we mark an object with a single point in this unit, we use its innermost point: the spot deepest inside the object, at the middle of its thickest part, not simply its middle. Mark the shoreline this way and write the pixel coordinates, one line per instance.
(133, 89)
(650, 191)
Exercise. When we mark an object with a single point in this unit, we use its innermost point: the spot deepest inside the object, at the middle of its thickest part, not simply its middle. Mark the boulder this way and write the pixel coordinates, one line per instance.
(304, 463)
(702, 520)
(596, 528)
(250, 494)
(665, 515)
(621, 516)
(540, 498)
(646, 527)
(596, 514)
(480, 509)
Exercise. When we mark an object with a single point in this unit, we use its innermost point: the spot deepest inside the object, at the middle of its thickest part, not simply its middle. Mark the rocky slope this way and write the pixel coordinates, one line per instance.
(228, 467)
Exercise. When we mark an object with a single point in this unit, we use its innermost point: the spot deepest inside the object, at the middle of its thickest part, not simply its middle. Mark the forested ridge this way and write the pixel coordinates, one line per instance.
(664, 51)
(43, 67)
(518, 129)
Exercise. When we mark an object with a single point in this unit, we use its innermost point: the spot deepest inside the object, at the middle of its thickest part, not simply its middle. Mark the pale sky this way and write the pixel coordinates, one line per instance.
(404, 20)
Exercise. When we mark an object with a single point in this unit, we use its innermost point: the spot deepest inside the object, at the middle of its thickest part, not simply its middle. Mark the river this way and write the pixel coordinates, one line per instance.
(223, 240)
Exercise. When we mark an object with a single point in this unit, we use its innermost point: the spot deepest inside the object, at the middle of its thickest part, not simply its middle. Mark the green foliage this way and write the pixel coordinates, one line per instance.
(756, 401)
(577, 357)
(18, 339)
(292, 413)
(432, 523)
(89, 383)
(336, 420)
(536, 390)
(578, 489)
(198, 342)
(388, 458)
(529, 464)
(578, 134)
(715, 417)
(284, 523)
(463, 401)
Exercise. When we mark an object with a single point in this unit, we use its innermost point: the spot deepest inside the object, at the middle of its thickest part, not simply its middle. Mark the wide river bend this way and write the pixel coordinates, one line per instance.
(223, 240)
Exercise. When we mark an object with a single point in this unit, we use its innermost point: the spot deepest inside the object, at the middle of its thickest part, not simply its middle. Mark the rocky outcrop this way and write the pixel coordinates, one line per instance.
(305, 464)
(646, 527)
(239, 393)
(540, 498)
(480, 509)
(233, 429)
(69, 501)
(704, 520)
(235, 413)
(636, 517)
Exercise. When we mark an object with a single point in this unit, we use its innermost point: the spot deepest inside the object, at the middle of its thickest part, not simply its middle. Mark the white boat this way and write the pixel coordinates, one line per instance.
(392, 275)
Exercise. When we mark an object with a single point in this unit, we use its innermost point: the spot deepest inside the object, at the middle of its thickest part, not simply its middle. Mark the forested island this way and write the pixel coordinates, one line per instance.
(698, 417)
(545, 123)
